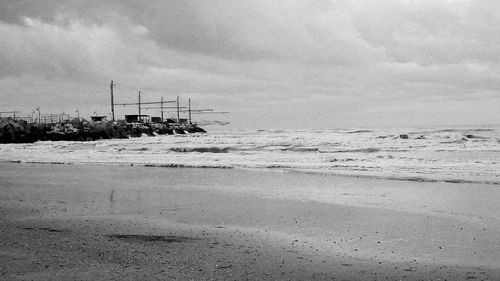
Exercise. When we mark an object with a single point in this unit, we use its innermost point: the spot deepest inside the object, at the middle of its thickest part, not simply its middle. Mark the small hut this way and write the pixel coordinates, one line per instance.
(98, 118)
(134, 118)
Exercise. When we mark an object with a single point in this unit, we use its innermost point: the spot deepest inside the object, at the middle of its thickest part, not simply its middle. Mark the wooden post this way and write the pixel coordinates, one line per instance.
(161, 109)
(178, 114)
(189, 107)
(112, 103)
(139, 117)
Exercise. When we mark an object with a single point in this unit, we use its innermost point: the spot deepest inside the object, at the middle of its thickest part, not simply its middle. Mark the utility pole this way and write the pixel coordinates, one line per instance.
(178, 109)
(161, 109)
(112, 102)
(189, 107)
(39, 119)
(139, 117)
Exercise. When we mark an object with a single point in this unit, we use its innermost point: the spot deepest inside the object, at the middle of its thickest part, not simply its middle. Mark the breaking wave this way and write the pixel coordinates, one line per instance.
(446, 155)
(359, 131)
(470, 136)
(201, 149)
(358, 150)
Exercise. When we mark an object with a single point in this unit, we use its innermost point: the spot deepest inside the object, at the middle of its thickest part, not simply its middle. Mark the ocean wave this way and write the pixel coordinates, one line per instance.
(458, 157)
(390, 177)
(386, 136)
(447, 130)
(135, 149)
(355, 150)
(450, 130)
(271, 131)
(282, 147)
(201, 149)
(147, 165)
(300, 149)
(174, 165)
(481, 130)
(470, 136)
(359, 131)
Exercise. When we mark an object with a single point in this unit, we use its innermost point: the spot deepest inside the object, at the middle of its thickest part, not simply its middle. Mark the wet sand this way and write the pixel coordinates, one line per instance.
(89, 222)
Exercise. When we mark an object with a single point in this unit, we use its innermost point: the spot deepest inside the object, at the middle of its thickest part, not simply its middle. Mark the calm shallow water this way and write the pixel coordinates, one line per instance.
(470, 154)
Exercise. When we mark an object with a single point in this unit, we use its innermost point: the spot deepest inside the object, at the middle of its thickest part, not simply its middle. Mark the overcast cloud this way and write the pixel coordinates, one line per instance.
(273, 64)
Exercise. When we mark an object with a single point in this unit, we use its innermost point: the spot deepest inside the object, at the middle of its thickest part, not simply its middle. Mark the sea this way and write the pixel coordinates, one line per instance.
(468, 154)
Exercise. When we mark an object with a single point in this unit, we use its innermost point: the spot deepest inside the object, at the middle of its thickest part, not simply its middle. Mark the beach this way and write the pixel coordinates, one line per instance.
(249, 140)
(95, 222)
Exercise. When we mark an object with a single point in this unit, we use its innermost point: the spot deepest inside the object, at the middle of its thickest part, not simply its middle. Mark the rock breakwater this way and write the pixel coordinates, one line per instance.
(20, 131)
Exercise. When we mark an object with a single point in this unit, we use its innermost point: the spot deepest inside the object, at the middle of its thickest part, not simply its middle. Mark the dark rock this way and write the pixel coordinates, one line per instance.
(179, 131)
(18, 131)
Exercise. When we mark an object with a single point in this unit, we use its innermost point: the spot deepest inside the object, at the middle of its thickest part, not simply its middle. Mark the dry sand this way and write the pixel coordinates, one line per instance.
(89, 222)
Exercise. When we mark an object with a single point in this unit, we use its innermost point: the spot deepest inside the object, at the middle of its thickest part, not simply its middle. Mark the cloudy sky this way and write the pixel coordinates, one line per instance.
(272, 64)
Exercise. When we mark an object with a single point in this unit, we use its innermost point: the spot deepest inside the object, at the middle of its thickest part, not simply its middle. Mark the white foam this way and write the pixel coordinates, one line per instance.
(456, 155)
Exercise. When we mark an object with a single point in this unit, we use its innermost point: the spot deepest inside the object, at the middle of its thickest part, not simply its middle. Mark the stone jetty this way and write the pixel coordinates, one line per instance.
(78, 129)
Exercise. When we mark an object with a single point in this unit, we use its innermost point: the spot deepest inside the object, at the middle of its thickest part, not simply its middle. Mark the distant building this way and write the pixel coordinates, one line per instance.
(98, 118)
(136, 118)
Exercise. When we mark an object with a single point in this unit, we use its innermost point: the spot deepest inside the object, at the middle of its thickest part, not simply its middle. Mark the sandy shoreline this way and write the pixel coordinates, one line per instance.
(85, 222)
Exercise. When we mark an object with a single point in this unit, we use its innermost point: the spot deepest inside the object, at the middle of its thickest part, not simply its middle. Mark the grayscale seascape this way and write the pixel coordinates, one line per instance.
(249, 140)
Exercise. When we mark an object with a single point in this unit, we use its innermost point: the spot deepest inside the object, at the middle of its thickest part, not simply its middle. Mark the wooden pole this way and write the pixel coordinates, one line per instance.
(178, 112)
(139, 117)
(161, 109)
(189, 107)
(112, 103)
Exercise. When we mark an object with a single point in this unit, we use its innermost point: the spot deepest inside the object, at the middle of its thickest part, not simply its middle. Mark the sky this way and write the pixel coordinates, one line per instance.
(282, 64)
